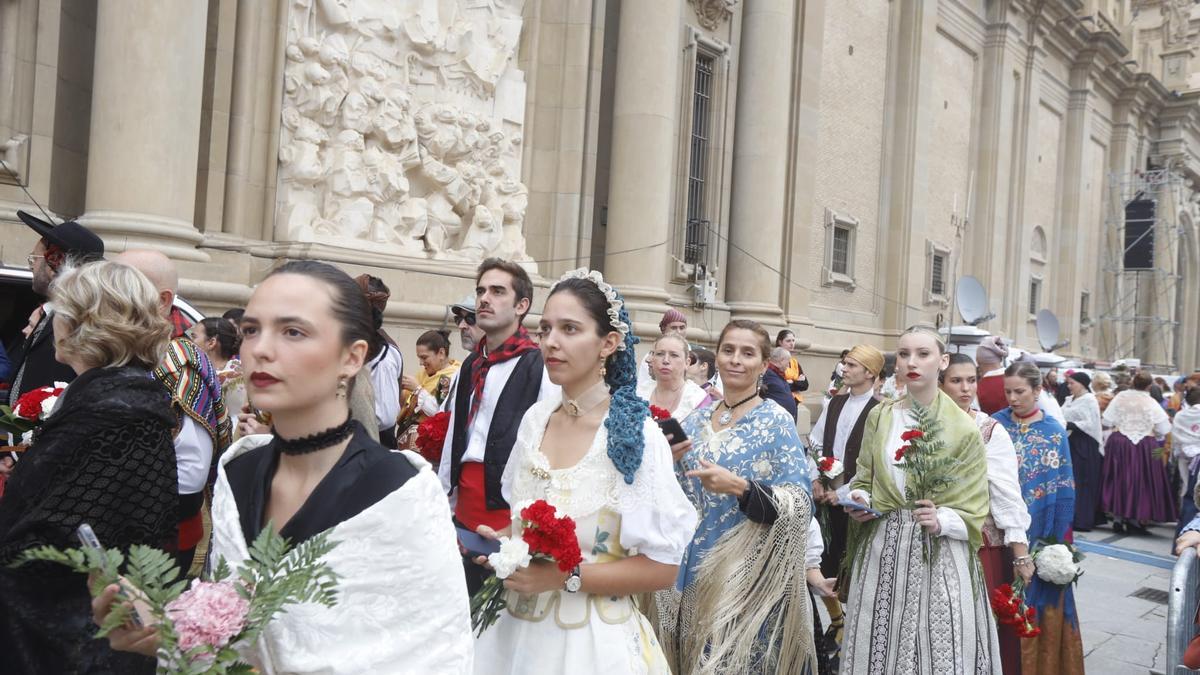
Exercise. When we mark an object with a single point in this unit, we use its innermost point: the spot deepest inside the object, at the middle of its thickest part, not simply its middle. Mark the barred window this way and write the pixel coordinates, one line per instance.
(840, 261)
(1085, 299)
(937, 274)
(1035, 295)
(698, 223)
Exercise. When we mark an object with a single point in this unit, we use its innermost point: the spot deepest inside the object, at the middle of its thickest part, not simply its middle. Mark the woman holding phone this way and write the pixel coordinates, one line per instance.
(401, 596)
(915, 601)
(670, 389)
(746, 473)
(104, 457)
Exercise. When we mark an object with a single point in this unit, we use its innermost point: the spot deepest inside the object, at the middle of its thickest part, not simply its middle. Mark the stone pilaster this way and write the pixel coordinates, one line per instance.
(644, 131)
(760, 161)
(145, 131)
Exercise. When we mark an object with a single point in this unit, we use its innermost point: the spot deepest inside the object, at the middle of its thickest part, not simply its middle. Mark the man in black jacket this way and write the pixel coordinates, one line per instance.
(33, 363)
(775, 386)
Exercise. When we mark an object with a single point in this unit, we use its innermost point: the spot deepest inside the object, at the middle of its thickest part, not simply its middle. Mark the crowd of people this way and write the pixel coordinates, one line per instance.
(705, 545)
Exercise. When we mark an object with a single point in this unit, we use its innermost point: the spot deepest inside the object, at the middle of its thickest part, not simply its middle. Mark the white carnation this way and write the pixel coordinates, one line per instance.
(48, 405)
(27, 438)
(1056, 565)
(513, 555)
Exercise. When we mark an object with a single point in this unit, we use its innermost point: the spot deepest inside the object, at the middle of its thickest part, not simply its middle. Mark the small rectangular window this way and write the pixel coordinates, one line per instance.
(1085, 316)
(840, 263)
(1035, 295)
(937, 276)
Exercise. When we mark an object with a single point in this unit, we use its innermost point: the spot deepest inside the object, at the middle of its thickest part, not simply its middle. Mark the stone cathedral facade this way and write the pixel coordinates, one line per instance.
(832, 166)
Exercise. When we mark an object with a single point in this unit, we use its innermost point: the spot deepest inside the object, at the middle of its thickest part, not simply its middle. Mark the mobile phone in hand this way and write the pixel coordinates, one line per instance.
(88, 539)
(476, 544)
(674, 429)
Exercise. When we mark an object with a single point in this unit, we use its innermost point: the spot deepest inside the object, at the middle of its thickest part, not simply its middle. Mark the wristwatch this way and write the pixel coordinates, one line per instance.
(574, 582)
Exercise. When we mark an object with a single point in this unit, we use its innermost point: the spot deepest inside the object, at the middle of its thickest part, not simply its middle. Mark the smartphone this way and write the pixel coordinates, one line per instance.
(87, 538)
(855, 506)
(475, 544)
(672, 427)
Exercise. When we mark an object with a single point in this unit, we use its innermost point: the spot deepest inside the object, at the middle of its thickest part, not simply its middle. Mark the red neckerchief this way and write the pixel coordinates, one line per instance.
(777, 369)
(517, 344)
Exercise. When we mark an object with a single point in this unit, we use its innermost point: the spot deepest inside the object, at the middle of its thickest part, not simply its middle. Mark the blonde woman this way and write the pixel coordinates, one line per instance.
(103, 457)
(671, 389)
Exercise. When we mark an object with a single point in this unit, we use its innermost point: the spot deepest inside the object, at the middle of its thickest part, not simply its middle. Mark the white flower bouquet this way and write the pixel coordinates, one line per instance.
(1057, 563)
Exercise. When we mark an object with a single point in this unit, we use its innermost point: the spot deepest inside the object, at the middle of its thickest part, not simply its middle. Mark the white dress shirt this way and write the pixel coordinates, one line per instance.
(477, 432)
(193, 456)
(1004, 487)
(385, 379)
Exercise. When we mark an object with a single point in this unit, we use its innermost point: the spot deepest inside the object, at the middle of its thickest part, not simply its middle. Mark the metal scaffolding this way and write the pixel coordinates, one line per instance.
(1141, 268)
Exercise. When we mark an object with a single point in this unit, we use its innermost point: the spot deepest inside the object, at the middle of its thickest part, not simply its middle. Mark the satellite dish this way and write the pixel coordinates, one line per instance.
(1047, 330)
(972, 301)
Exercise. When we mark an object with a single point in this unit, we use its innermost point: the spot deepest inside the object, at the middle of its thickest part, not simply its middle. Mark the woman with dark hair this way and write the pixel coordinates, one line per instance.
(1086, 437)
(103, 457)
(1136, 486)
(1048, 486)
(793, 374)
(401, 598)
(593, 453)
(746, 473)
(1004, 529)
(221, 340)
(915, 604)
(425, 392)
(385, 365)
(702, 369)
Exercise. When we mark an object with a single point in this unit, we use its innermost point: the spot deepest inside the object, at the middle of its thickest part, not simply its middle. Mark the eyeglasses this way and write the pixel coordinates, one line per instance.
(30, 258)
(468, 319)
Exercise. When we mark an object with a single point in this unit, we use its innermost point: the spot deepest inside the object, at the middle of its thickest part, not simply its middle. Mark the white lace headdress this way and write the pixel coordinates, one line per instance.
(614, 301)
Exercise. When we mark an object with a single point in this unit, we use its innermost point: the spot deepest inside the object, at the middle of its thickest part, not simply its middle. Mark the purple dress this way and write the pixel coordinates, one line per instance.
(1135, 482)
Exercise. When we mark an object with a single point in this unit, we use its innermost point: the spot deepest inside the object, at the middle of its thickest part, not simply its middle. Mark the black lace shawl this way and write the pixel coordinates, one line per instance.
(105, 457)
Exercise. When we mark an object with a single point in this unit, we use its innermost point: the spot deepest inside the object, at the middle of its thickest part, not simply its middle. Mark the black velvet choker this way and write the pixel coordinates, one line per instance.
(315, 442)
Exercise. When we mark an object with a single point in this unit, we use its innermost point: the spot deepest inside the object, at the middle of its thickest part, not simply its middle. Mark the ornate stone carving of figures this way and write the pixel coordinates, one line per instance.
(713, 13)
(424, 156)
(1176, 18)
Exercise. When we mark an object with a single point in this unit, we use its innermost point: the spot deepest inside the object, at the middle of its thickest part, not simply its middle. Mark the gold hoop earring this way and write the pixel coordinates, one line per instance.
(343, 387)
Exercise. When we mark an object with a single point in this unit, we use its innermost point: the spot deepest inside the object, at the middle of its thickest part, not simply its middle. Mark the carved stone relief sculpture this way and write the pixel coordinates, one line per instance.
(402, 127)
(713, 13)
(1176, 21)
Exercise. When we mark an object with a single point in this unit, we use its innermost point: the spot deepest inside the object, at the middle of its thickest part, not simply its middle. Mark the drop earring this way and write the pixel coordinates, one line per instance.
(603, 367)
(342, 388)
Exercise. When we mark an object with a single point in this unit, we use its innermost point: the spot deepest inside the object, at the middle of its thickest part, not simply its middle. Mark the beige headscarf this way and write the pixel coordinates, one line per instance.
(870, 358)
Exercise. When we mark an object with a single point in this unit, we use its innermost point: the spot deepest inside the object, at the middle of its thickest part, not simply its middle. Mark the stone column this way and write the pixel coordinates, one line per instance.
(145, 132)
(757, 206)
(644, 131)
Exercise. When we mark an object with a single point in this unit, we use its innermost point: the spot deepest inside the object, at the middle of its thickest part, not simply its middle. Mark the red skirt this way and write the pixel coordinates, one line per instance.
(471, 508)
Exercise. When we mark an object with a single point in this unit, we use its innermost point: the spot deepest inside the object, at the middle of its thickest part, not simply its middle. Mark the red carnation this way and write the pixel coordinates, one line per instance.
(431, 436)
(659, 414)
(29, 406)
(912, 434)
(551, 536)
(900, 453)
(825, 464)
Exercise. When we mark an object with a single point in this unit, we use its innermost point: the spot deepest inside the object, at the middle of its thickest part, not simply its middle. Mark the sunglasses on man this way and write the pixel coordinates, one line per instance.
(460, 319)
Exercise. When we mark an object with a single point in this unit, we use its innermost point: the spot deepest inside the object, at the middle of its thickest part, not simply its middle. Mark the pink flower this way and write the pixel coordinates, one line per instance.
(208, 613)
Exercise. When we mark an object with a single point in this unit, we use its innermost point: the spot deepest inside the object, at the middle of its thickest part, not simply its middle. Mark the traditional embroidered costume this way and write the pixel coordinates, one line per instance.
(1137, 486)
(1006, 524)
(1086, 437)
(401, 598)
(906, 614)
(578, 633)
(1048, 486)
(741, 603)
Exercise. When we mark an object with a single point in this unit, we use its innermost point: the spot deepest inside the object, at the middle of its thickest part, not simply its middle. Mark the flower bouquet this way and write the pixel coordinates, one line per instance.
(1057, 563)
(32, 408)
(1008, 603)
(829, 470)
(659, 414)
(544, 535)
(200, 628)
(431, 435)
(927, 471)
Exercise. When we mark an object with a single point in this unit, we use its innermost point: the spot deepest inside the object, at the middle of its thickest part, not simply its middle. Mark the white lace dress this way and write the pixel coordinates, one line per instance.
(402, 602)
(578, 633)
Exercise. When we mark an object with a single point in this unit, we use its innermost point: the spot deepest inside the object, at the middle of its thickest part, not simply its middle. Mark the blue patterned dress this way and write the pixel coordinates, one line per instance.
(764, 447)
(1048, 486)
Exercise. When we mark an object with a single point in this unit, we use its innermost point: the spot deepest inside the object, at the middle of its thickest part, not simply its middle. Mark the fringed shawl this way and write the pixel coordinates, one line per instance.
(961, 440)
(1084, 412)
